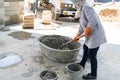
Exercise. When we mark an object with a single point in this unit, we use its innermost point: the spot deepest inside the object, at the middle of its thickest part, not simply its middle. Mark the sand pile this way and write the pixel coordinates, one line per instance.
(109, 12)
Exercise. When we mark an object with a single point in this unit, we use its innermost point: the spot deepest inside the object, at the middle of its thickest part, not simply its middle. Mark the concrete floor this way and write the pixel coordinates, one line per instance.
(24, 42)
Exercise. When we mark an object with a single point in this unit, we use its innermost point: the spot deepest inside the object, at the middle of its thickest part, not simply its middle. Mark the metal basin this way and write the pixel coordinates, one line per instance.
(50, 47)
(48, 75)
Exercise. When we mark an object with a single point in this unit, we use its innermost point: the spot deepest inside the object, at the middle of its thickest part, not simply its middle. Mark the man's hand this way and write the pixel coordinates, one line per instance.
(86, 31)
(76, 38)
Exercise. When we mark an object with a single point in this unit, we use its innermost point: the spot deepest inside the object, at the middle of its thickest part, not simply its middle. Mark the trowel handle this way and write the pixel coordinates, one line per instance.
(80, 36)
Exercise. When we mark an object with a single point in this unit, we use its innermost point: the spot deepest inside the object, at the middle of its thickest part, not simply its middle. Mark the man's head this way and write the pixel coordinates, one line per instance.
(78, 3)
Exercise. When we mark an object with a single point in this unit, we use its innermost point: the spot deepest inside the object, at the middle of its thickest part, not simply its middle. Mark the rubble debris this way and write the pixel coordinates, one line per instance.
(49, 66)
(55, 68)
(39, 59)
(27, 74)
(32, 69)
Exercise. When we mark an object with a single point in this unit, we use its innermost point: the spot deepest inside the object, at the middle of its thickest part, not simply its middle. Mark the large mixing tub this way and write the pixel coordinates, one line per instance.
(50, 47)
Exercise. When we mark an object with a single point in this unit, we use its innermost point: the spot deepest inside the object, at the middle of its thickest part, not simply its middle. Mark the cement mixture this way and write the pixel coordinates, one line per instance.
(56, 41)
(47, 74)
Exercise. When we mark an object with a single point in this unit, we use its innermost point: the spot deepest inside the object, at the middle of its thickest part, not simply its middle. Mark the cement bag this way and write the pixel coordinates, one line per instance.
(46, 17)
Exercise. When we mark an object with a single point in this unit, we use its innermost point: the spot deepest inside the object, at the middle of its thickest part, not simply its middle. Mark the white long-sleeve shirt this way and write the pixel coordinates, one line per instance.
(89, 18)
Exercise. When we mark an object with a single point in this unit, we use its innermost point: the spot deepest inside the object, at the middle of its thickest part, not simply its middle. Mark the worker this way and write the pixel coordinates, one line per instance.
(93, 31)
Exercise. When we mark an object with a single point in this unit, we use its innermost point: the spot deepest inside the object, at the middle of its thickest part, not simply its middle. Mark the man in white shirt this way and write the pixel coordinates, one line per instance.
(92, 29)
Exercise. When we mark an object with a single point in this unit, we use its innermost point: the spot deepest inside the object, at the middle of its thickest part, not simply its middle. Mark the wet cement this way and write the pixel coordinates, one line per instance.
(56, 41)
(20, 35)
(73, 67)
(45, 75)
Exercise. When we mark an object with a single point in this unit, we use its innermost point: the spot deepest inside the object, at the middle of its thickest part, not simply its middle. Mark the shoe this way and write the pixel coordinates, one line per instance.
(89, 76)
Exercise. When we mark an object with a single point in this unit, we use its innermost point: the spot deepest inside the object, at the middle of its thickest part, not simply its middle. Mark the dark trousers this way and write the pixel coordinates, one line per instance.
(92, 55)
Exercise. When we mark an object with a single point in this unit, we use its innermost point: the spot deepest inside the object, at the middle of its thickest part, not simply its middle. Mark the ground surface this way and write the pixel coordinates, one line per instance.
(24, 42)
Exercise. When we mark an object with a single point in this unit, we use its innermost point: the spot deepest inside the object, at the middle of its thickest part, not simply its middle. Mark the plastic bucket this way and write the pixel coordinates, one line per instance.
(48, 75)
(74, 71)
